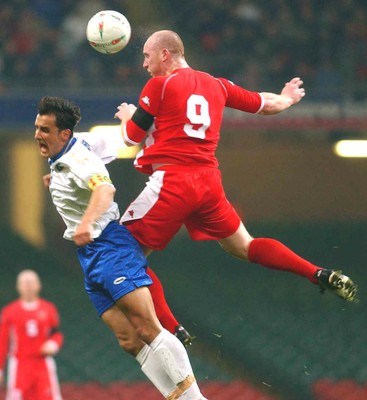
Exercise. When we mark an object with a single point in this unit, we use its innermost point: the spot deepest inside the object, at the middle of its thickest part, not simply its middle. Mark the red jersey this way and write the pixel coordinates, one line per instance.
(24, 328)
(187, 107)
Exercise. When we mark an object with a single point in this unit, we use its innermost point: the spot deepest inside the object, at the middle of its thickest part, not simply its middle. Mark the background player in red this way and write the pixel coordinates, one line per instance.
(30, 337)
(179, 115)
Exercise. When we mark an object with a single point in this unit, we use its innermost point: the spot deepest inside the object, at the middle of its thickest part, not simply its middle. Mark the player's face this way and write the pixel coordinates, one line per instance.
(152, 59)
(49, 137)
(28, 285)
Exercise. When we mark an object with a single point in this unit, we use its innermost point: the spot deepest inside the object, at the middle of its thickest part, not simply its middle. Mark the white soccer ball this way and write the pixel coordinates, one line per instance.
(108, 31)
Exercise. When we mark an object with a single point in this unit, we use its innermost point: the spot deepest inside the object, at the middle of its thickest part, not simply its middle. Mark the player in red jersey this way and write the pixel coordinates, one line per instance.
(30, 337)
(179, 115)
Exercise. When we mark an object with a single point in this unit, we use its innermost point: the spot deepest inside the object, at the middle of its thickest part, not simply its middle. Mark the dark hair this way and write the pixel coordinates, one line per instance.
(67, 114)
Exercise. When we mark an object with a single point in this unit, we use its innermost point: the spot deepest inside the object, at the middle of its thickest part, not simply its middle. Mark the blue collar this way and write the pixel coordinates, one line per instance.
(69, 144)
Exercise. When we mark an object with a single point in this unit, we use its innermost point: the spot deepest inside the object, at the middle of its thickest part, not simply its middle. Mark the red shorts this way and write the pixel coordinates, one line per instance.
(32, 379)
(176, 196)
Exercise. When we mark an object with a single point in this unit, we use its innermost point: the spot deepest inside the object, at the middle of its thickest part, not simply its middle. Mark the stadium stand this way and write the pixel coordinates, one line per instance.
(91, 365)
(278, 324)
(261, 335)
(323, 42)
(276, 330)
(327, 389)
(144, 391)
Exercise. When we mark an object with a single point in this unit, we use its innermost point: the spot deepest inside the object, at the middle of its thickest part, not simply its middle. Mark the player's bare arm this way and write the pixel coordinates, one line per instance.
(292, 93)
(124, 114)
(99, 202)
(46, 179)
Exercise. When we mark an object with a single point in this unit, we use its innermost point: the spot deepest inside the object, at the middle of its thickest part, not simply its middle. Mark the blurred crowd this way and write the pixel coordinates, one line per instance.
(257, 43)
(43, 43)
(262, 43)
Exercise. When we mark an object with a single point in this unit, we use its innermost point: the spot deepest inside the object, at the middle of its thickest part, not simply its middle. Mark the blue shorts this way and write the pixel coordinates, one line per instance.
(113, 266)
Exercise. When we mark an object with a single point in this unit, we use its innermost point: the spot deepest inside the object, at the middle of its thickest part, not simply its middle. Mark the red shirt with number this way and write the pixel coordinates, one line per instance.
(25, 327)
(187, 107)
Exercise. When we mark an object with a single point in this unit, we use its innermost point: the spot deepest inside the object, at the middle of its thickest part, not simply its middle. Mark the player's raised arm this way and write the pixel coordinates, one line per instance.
(124, 114)
(291, 94)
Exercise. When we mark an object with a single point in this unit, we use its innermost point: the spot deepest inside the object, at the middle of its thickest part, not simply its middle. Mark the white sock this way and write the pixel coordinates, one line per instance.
(153, 369)
(192, 394)
(174, 359)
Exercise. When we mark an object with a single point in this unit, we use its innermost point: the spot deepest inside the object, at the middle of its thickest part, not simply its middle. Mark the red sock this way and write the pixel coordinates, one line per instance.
(164, 314)
(273, 254)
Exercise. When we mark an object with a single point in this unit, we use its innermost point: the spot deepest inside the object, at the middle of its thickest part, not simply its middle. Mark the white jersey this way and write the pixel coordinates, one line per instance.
(75, 174)
(104, 145)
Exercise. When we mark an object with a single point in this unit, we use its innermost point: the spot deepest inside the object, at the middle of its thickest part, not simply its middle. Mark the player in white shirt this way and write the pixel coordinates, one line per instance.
(106, 147)
(74, 172)
(112, 261)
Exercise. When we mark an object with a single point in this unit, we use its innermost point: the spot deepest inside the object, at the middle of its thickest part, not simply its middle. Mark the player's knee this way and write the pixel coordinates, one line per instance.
(237, 251)
(143, 333)
(147, 332)
(238, 244)
(131, 345)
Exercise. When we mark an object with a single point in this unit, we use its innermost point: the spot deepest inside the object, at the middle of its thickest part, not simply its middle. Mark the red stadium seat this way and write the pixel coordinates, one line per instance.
(348, 389)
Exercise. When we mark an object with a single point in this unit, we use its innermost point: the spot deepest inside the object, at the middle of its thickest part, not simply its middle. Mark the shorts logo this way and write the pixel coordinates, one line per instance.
(131, 213)
(119, 280)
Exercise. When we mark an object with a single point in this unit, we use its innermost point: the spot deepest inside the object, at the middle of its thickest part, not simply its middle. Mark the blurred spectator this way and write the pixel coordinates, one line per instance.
(50, 11)
(328, 82)
(74, 25)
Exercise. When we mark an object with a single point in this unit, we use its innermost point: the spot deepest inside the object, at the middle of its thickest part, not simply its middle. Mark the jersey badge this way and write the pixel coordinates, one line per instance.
(146, 100)
(86, 144)
(42, 315)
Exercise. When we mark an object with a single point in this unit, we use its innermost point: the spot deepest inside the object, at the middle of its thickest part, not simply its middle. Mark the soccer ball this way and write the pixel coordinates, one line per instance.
(108, 31)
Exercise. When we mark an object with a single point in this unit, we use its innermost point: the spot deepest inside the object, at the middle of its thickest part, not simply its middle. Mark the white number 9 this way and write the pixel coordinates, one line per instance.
(198, 114)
